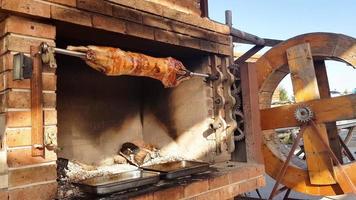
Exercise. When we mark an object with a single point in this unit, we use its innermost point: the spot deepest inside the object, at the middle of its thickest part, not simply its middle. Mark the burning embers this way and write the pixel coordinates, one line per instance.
(141, 154)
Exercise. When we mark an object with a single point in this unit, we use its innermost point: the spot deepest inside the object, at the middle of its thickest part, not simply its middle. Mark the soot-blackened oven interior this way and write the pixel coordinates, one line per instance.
(98, 113)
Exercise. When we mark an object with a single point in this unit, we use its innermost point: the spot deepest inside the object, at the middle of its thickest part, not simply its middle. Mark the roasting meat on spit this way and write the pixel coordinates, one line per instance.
(114, 62)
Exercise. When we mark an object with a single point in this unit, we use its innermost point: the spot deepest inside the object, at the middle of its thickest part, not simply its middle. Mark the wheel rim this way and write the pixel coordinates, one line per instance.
(272, 67)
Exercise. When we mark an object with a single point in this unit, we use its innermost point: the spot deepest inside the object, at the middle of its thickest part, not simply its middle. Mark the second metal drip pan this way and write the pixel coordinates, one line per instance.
(171, 170)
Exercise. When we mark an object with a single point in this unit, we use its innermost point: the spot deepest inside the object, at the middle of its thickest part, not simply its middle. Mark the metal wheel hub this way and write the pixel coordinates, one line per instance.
(303, 114)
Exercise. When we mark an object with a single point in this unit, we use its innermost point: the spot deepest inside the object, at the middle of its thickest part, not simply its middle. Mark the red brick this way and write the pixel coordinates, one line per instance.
(30, 175)
(188, 41)
(222, 28)
(140, 31)
(44, 192)
(211, 195)
(23, 118)
(149, 7)
(156, 21)
(29, 27)
(22, 99)
(127, 14)
(248, 185)
(30, 7)
(218, 181)
(72, 3)
(226, 192)
(102, 7)
(144, 197)
(124, 3)
(23, 157)
(225, 49)
(22, 136)
(235, 189)
(255, 171)
(170, 193)
(220, 38)
(18, 137)
(48, 81)
(4, 194)
(166, 36)
(196, 188)
(209, 46)
(20, 43)
(109, 23)
(238, 175)
(71, 15)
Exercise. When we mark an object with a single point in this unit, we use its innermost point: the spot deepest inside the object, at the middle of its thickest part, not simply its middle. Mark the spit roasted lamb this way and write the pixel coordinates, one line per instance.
(114, 62)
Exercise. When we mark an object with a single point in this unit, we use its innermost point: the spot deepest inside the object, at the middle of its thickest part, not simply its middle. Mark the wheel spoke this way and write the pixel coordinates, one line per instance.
(344, 179)
(325, 110)
(324, 91)
(305, 88)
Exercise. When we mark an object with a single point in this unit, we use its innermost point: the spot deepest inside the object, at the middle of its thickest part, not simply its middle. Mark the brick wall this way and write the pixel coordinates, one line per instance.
(227, 183)
(186, 6)
(144, 19)
(25, 175)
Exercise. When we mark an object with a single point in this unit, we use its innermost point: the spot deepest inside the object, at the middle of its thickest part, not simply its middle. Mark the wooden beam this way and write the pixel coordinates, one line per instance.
(305, 88)
(252, 126)
(325, 110)
(324, 90)
(37, 138)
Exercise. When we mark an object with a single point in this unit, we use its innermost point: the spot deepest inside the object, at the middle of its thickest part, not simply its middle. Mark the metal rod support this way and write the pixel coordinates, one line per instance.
(286, 163)
(199, 74)
(248, 54)
(346, 149)
(228, 18)
(70, 53)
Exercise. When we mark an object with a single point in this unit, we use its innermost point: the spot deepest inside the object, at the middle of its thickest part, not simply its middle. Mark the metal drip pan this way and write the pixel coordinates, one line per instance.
(171, 170)
(118, 182)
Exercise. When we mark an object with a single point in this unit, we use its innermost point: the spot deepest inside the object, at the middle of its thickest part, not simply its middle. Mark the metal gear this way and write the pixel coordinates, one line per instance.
(303, 114)
(239, 133)
(235, 70)
(236, 93)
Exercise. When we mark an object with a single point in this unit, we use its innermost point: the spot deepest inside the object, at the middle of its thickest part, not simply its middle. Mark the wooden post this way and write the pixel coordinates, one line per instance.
(204, 8)
(252, 122)
(37, 137)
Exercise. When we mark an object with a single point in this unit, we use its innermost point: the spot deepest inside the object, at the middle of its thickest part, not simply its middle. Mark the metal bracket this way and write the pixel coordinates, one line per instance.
(22, 65)
(47, 55)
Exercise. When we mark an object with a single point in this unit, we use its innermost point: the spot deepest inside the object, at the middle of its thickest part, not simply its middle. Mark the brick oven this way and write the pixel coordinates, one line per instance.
(86, 116)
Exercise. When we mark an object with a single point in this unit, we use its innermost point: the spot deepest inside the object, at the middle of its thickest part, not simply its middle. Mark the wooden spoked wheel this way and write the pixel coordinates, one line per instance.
(304, 57)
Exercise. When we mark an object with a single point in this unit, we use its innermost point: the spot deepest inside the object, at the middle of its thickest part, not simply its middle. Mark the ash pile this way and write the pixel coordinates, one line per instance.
(130, 157)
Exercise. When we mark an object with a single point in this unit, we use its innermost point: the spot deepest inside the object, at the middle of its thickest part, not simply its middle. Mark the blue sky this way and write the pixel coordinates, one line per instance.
(283, 19)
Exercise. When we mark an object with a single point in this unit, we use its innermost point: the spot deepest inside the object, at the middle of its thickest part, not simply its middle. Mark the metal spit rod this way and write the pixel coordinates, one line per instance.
(199, 74)
(70, 53)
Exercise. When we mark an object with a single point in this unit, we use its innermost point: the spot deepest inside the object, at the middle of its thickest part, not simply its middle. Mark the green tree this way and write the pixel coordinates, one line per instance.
(283, 95)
